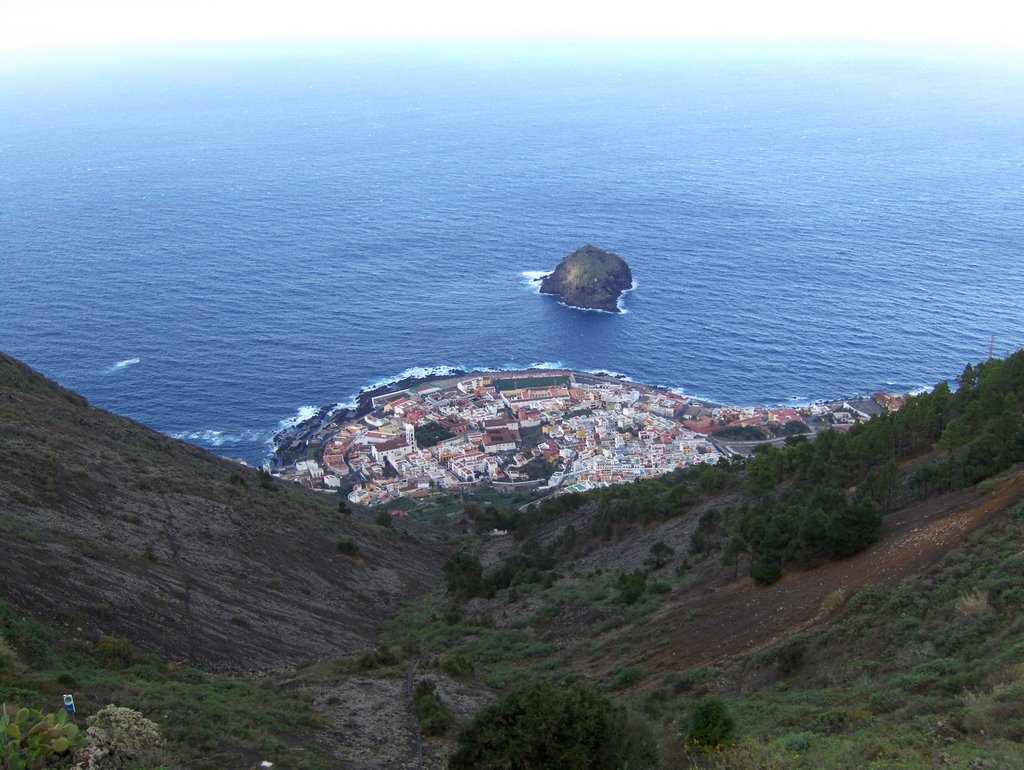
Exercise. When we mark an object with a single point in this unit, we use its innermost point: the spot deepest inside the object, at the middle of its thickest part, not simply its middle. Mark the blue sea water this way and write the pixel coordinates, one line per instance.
(212, 243)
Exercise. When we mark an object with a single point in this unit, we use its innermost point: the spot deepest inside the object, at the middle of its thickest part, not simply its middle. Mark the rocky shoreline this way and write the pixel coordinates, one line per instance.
(290, 444)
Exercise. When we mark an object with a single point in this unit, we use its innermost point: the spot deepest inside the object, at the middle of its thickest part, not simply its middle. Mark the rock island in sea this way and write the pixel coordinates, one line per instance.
(590, 278)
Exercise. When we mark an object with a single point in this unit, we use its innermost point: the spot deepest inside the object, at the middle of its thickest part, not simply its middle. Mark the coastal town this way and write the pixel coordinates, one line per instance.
(543, 431)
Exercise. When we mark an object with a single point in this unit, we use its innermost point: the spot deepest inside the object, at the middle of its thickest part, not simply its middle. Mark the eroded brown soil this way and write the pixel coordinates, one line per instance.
(742, 617)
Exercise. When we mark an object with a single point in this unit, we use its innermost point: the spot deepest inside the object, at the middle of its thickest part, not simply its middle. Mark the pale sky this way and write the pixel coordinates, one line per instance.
(41, 26)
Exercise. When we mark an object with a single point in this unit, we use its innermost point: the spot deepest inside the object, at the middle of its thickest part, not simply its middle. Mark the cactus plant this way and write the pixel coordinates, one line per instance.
(31, 739)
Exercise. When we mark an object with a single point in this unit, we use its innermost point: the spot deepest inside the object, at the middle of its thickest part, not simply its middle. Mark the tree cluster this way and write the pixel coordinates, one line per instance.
(825, 499)
(565, 726)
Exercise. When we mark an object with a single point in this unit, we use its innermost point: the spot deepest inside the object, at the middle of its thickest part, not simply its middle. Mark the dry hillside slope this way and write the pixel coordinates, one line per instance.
(741, 617)
(113, 529)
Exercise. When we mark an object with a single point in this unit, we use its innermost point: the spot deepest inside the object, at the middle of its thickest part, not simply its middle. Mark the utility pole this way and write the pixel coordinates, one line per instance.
(991, 346)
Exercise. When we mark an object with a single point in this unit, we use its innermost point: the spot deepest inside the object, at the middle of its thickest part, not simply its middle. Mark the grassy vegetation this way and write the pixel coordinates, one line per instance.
(509, 636)
(931, 672)
(540, 381)
(443, 507)
(434, 716)
(570, 727)
(208, 721)
(742, 433)
(934, 669)
(432, 433)
(347, 546)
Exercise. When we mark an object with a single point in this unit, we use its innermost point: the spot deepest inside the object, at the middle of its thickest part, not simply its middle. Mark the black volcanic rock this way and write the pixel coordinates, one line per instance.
(589, 278)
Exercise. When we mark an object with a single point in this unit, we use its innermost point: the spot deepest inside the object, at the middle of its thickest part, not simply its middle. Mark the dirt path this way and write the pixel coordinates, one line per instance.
(742, 617)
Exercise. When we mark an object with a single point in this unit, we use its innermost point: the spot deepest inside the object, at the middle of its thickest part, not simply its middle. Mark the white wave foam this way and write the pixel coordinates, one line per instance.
(618, 302)
(123, 364)
(304, 413)
(591, 309)
(418, 372)
(532, 279)
(610, 373)
(692, 396)
(219, 438)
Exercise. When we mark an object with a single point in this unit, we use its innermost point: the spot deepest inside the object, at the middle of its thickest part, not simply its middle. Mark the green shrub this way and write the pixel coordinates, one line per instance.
(30, 640)
(30, 739)
(834, 601)
(347, 547)
(568, 726)
(1015, 654)
(118, 651)
(790, 655)
(871, 595)
(656, 701)
(959, 682)
(462, 575)
(457, 666)
(884, 701)
(659, 555)
(627, 677)
(435, 718)
(710, 725)
(383, 519)
(798, 742)
(830, 721)
(144, 671)
(765, 574)
(631, 588)
(9, 662)
(381, 656)
(267, 481)
(453, 615)
(686, 681)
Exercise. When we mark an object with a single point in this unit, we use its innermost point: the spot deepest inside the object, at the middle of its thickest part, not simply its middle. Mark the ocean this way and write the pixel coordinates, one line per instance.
(216, 243)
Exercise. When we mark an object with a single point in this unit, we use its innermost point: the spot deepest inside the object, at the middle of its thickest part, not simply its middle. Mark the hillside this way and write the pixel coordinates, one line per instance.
(855, 601)
(114, 529)
(856, 649)
(911, 648)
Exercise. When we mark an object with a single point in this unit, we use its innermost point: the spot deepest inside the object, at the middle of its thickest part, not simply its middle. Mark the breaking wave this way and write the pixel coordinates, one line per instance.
(532, 279)
(219, 438)
(123, 364)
